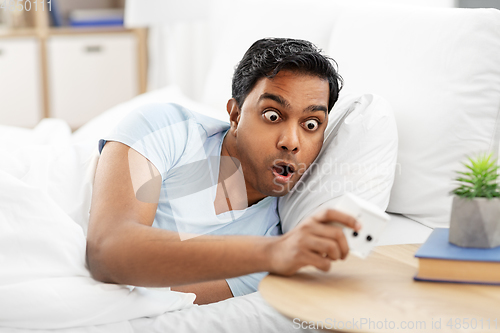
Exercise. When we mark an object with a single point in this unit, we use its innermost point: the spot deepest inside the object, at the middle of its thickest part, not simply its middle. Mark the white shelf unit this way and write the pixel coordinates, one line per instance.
(20, 82)
(69, 73)
(89, 74)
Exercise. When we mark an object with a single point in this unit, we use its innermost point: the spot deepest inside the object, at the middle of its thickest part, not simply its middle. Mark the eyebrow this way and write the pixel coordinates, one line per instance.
(284, 103)
(314, 108)
(277, 98)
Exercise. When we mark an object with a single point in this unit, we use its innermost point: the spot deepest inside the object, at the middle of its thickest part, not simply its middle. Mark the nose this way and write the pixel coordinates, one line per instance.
(289, 140)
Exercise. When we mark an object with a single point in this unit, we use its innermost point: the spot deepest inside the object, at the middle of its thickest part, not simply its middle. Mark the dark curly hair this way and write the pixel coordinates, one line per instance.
(267, 56)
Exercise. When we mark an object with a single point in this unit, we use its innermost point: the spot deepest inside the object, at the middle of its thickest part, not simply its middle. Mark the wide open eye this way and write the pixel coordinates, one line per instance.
(311, 124)
(272, 116)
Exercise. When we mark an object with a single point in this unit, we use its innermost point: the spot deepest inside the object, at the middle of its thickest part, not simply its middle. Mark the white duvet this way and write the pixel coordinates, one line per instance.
(44, 283)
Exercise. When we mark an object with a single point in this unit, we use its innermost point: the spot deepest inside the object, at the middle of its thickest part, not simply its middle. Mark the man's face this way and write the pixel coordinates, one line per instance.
(279, 131)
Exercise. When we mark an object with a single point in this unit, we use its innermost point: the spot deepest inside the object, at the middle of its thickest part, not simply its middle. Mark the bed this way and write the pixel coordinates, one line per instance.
(441, 78)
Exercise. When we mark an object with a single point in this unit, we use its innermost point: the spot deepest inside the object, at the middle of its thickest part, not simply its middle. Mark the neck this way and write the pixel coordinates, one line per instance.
(229, 149)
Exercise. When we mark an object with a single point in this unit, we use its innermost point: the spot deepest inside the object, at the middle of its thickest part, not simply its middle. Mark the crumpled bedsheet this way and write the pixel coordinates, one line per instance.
(44, 202)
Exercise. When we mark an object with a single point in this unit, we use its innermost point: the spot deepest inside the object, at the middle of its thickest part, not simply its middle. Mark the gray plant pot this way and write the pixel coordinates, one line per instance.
(475, 223)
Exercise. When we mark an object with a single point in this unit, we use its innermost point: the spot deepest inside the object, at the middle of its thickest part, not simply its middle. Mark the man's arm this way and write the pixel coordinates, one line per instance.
(122, 247)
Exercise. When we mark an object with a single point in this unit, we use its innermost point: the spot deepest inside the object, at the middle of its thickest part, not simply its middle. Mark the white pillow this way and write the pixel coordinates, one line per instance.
(359, 156)
(440, 71)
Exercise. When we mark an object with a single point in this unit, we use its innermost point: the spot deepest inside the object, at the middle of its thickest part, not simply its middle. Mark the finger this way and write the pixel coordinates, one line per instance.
(332, 215)
(337, 234)
(330, 232)
(343, 245)
(318, 261)
(325, 247)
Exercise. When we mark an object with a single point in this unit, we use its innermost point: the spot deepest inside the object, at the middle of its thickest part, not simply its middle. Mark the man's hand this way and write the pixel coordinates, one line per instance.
(315, 241)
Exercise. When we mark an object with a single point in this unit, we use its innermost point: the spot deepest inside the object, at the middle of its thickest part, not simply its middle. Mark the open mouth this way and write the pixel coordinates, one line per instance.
(283, 171)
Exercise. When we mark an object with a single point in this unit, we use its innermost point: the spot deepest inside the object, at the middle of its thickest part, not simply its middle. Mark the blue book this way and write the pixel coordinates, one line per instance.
(55, 14)
(441, 261)
(96, 17)
(97, 23)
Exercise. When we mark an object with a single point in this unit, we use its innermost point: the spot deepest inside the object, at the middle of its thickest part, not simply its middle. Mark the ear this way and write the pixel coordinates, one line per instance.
(234, 115)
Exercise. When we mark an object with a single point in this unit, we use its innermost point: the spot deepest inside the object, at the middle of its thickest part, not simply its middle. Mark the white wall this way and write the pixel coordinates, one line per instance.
(180, 53)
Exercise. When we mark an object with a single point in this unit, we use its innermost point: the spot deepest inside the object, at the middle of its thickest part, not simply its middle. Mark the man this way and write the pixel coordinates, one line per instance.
(207, 236)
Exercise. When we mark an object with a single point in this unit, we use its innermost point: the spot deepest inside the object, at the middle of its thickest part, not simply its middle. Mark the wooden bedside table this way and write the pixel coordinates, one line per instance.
(379, 295)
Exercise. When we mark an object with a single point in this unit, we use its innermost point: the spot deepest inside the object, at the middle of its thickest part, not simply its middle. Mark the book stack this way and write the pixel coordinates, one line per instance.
(441, 261)
(96, 17)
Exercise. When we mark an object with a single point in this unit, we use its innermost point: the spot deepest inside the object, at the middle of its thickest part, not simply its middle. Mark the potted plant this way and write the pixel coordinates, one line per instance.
(475, 212)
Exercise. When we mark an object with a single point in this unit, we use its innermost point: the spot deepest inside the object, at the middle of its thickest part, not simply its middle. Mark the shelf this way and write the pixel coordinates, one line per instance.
(12, 33)
(86, 30)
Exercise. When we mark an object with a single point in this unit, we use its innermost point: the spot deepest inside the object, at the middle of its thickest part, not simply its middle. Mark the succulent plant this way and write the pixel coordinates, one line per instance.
(480, 180)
